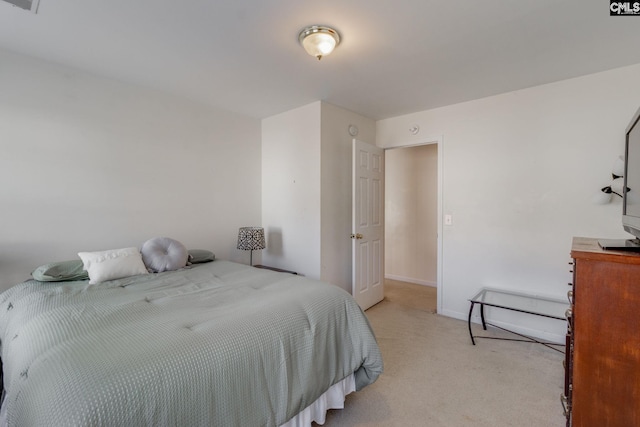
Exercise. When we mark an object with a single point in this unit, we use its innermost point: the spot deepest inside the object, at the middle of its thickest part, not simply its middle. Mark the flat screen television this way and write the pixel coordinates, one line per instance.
(630, 190)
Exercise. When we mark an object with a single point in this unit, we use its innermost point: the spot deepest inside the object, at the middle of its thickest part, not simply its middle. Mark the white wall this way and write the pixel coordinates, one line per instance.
(291, 190)
(306, 190)
(411, 209)
(90, 164)
(520, 170)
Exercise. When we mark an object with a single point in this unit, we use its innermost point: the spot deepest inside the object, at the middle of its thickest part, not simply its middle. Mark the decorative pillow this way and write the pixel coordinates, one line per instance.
(198, 256)
(60, 271)
(112, 264)
(163, 254)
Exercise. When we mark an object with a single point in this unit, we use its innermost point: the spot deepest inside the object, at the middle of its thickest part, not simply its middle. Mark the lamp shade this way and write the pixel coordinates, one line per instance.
(251, 238)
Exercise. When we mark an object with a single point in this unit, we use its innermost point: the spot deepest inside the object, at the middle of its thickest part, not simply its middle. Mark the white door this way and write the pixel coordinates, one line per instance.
(368, 224)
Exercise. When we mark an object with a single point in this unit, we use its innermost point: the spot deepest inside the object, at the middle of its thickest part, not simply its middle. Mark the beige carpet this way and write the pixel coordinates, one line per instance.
(434, 376)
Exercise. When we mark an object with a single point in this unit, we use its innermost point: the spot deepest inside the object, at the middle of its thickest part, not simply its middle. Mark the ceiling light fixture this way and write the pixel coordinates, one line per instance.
(319, 41)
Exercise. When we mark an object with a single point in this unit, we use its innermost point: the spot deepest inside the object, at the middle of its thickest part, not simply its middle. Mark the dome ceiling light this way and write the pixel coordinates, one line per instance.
(319, 41)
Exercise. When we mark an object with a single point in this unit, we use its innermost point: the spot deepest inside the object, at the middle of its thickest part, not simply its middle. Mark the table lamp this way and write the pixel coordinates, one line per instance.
(250, 239)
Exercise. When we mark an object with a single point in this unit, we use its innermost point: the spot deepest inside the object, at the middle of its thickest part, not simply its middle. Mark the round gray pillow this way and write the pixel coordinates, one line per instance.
(163, 254)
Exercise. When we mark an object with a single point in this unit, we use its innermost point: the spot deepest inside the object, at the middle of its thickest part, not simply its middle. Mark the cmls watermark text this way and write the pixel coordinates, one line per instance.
(621, 8)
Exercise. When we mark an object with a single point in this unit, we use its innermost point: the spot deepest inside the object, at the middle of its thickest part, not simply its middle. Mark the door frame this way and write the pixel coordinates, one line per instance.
(439, 140)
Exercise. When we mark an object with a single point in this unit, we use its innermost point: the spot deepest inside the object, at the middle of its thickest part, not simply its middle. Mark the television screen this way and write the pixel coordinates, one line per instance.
(631, 189)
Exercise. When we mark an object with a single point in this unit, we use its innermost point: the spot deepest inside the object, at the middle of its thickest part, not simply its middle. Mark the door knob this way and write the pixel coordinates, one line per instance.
(356, 236)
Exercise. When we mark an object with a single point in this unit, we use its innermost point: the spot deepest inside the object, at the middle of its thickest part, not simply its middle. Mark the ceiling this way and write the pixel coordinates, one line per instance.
(396, 57)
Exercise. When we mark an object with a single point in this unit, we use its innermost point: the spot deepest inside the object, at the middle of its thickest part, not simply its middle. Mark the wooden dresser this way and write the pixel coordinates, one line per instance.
(602, 367)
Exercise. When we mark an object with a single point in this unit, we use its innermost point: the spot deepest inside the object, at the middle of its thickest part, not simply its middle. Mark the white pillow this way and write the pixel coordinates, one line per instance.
(112, 264)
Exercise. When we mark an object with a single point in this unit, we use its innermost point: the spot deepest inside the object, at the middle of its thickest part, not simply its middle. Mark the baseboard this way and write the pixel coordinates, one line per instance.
(410, 280)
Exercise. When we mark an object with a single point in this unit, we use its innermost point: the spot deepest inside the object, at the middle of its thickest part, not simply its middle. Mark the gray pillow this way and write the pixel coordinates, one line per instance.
(198, 256)
(163, 254)
(61, 271)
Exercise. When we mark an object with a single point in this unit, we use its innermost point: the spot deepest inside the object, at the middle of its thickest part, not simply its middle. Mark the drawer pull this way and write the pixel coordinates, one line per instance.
(570, 296)
(568, 313)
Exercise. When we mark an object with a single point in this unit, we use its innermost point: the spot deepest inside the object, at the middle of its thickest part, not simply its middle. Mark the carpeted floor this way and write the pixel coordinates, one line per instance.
(434, 376)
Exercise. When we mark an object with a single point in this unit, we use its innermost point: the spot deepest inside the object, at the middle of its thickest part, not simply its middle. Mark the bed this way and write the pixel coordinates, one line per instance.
(214, 343)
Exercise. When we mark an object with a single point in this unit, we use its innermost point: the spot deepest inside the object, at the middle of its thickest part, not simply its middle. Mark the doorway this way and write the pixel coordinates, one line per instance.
(411, 219)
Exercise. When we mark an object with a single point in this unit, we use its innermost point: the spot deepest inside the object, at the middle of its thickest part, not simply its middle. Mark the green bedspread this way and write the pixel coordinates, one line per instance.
(216, 344)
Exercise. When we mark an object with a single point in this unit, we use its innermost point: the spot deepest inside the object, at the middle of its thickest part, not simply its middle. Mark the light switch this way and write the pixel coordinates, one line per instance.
(448, 219)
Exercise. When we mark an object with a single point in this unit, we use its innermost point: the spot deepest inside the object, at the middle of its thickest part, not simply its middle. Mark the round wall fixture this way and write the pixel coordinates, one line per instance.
(353, 130)
(414, 129)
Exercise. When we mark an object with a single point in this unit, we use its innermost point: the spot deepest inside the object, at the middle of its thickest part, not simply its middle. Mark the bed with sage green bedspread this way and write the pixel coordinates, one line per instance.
(216, 344)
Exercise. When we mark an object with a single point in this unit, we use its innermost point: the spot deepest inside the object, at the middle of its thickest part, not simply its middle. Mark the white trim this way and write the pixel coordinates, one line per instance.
(411, 280)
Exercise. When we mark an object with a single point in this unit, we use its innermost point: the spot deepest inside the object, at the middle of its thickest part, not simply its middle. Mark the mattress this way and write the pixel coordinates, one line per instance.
(212, 344)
